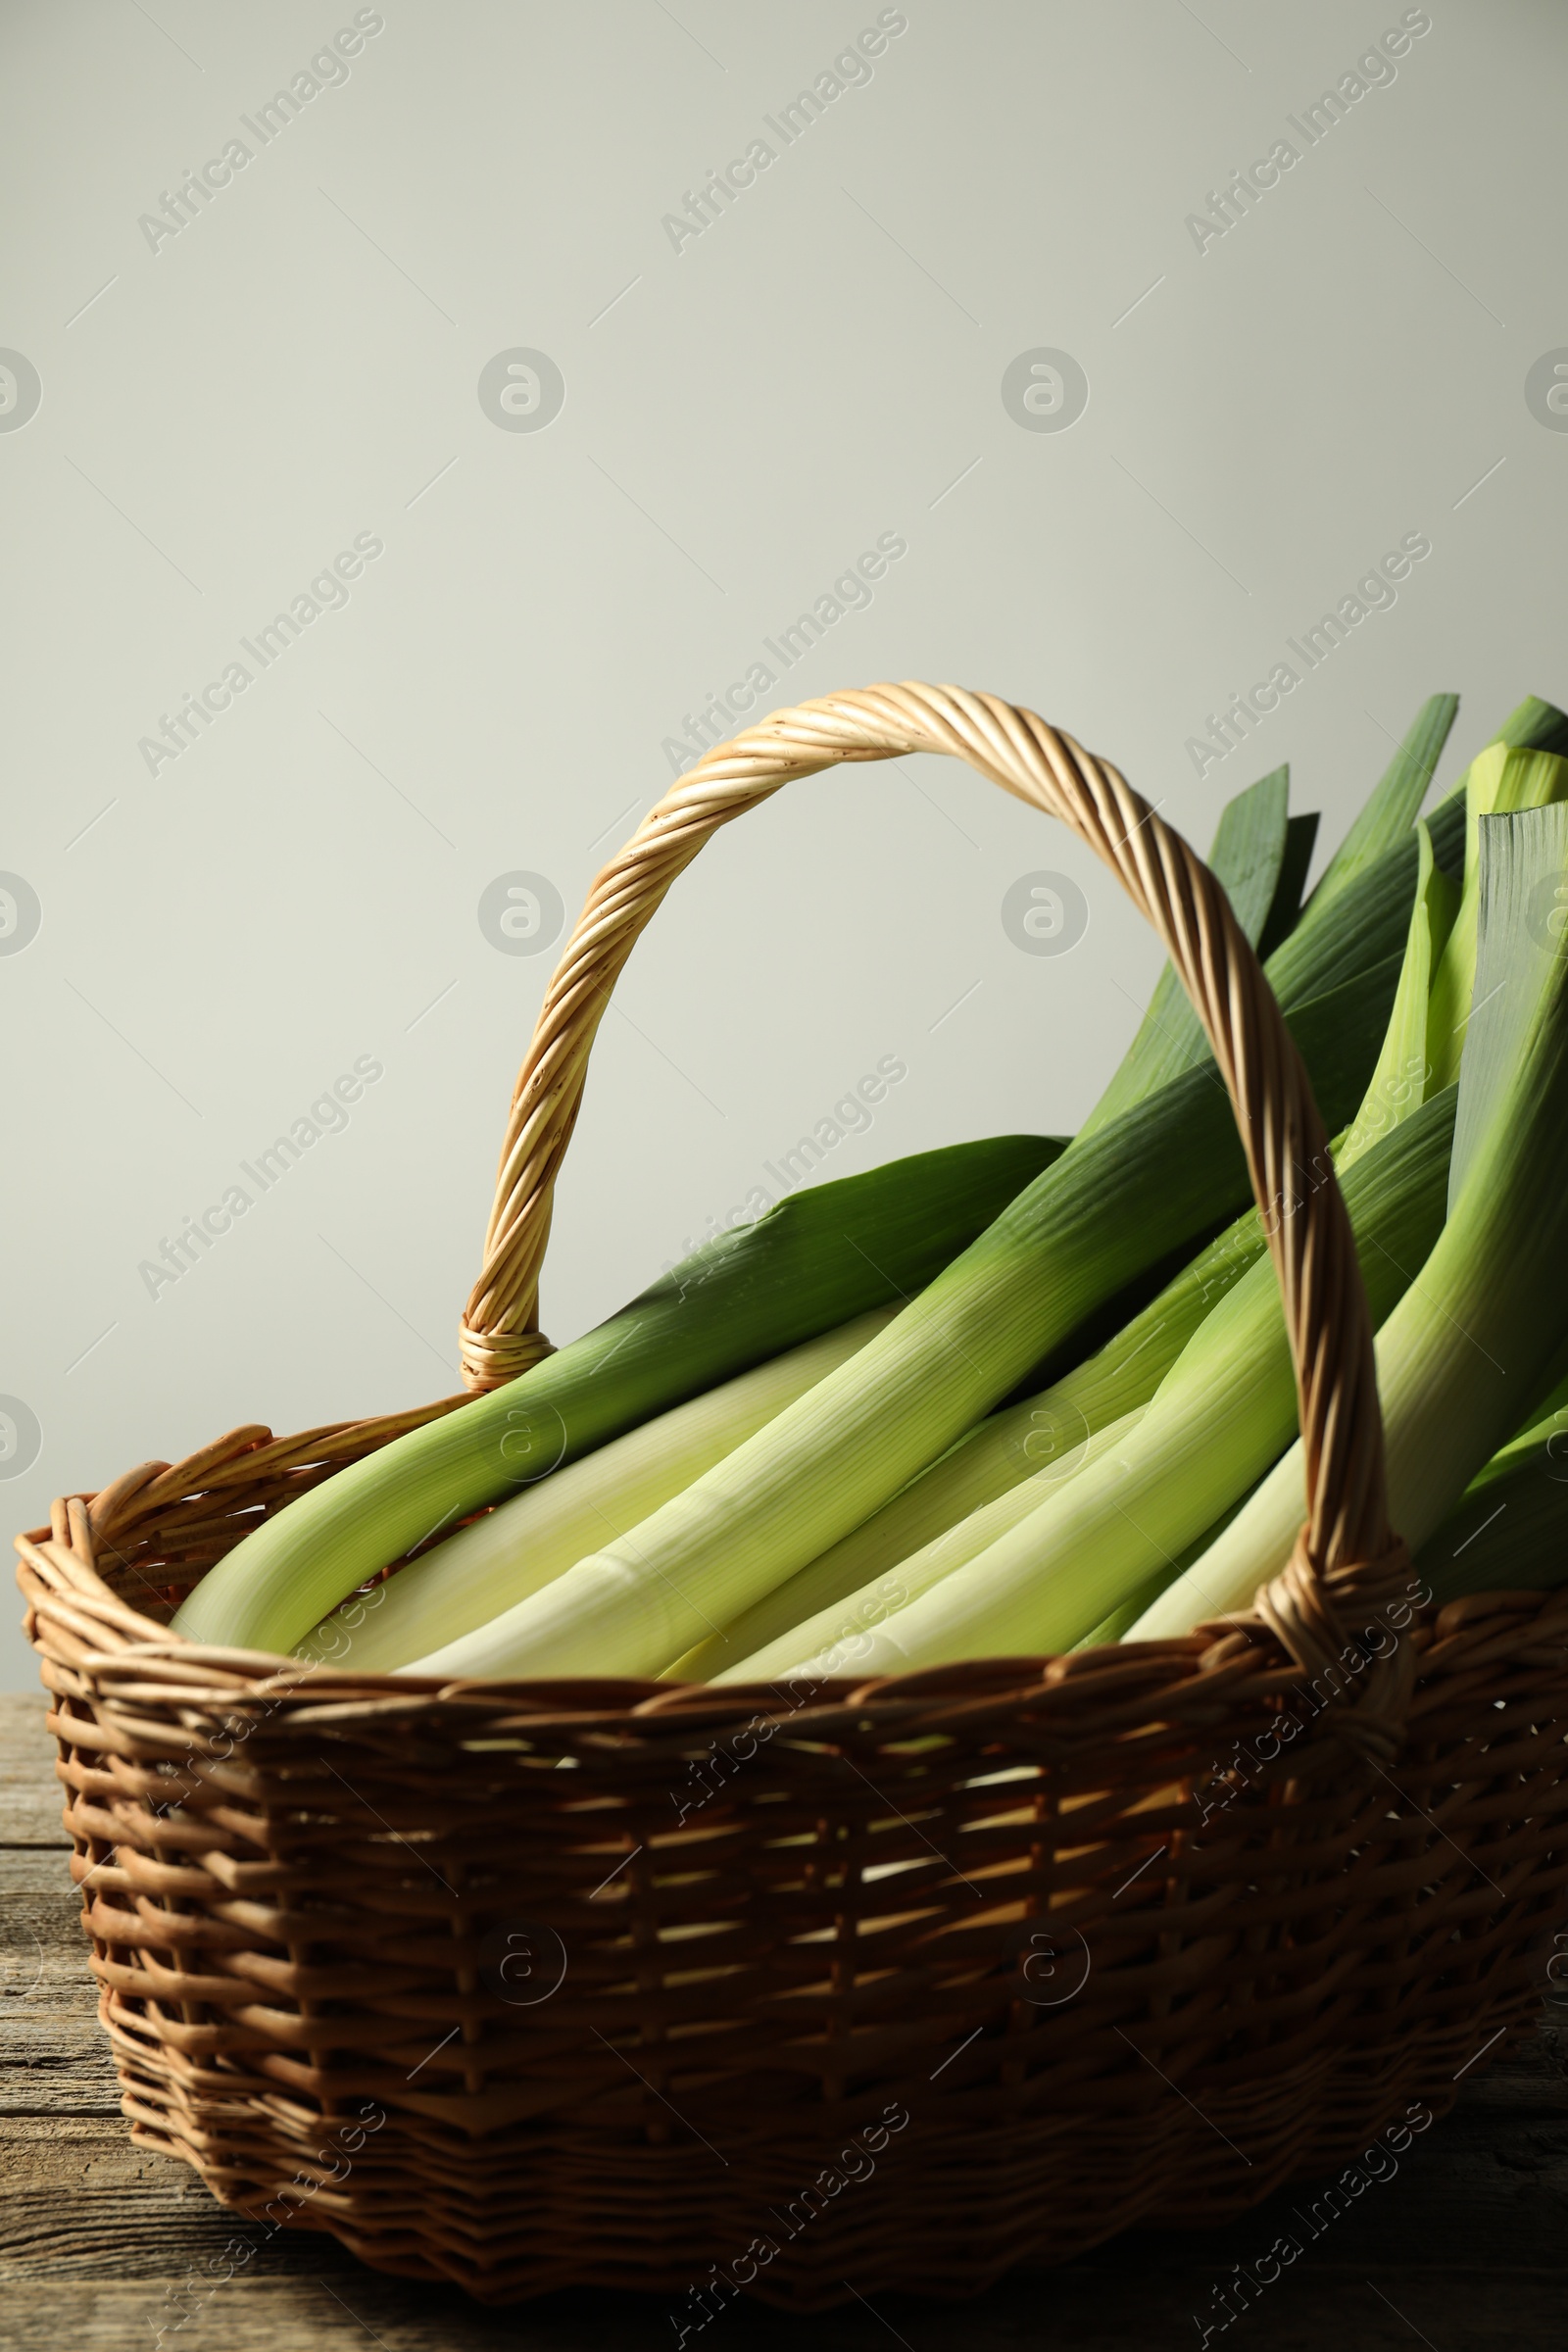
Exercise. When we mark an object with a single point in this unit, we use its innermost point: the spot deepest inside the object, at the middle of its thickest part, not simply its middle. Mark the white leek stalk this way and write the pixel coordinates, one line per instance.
(836, 1638)
(495, 1562)
(1219, 1419)
(1045, 1436)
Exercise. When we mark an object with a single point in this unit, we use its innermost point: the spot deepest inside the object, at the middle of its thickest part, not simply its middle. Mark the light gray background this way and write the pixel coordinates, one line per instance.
(742, 418)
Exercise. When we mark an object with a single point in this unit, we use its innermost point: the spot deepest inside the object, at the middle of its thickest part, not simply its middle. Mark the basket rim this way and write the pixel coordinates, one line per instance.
(119, 1651)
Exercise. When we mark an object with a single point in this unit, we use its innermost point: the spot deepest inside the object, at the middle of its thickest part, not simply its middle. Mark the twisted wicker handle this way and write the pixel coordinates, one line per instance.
(1346, 1544)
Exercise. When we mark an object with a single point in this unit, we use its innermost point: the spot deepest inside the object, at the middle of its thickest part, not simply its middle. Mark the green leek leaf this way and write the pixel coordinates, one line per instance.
(1464, 1352)
(1248, 853)
(1395, 801)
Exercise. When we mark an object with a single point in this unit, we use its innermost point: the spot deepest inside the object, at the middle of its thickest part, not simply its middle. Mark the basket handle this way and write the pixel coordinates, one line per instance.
(1346, 1544)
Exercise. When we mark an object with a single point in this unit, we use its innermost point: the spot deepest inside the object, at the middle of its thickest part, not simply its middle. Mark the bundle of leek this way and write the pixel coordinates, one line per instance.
(1018, 1395)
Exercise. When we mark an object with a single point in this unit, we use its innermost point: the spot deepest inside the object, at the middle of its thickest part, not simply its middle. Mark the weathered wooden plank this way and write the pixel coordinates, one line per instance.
(55, 2063)
(30, 1796)
(81, 2201)
(1450, 2307)
(85, 2156)
(1530, 2078)
(1499, 2193)
(44, 1952)
(39, 1870)
(54, 2058)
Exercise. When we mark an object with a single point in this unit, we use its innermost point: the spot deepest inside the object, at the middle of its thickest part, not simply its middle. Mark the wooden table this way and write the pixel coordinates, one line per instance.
(1466, 2250)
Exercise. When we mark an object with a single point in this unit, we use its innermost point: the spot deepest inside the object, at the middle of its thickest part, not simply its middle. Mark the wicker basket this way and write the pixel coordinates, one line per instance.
(805, 1993)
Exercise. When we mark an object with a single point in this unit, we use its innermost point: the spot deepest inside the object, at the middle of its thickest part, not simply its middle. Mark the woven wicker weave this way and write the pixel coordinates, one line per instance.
(799, 1992)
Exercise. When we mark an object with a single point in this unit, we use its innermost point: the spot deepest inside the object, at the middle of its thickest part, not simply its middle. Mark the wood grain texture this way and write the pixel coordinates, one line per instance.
(32, 1799)
(105, 2246)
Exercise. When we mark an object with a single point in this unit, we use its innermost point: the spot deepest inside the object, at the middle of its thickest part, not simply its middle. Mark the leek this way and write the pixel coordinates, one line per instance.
(1044, 1435)
(753, 1294)
(1121, 1619)
(1261, 860)
(1150, 1179)
(813, 1262)
(1006, 1253)
(1285, 913)
(1479, 1326)
(1226, 1410)
(841, 1637)
(1220, 1417)
(490, 1565)
(1509, 1531)
(1392, 808)
(1401, 1078)
(1500, 780)
(1247, 855)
